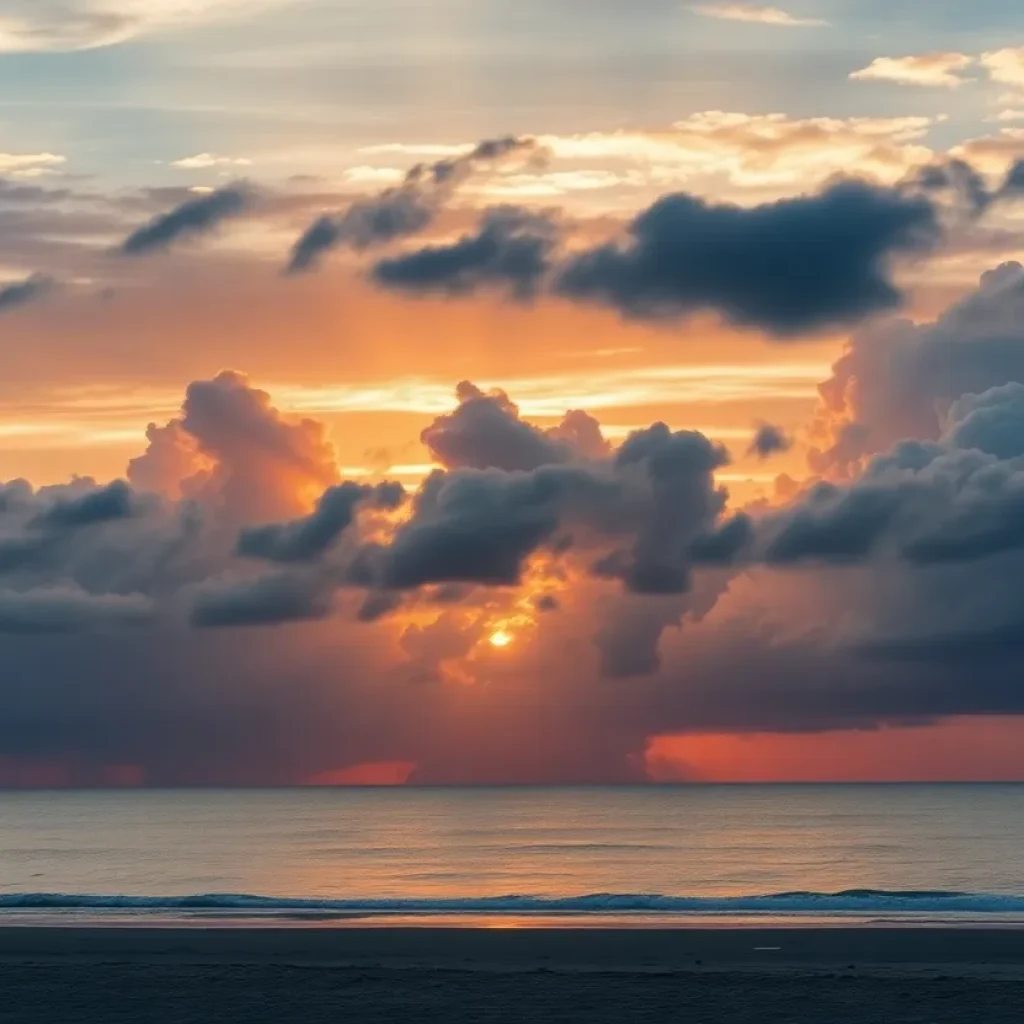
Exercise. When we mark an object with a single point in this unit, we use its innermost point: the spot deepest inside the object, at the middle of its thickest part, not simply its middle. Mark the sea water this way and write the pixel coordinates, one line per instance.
(677, 854)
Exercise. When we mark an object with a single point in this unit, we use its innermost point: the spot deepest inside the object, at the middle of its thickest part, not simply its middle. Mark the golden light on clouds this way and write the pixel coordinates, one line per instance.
(501, 638)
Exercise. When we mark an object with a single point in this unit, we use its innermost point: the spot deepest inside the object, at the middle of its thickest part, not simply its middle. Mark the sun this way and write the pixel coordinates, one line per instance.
(500, 638)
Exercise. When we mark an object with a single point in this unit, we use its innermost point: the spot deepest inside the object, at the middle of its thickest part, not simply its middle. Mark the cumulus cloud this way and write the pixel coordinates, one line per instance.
(943, 70)
(897, 380)
(192, 219)
(789, 267)
(849, 604)
(306, 539)
(512, 250)
(759, 14)
(234, 450)
(485, 431)
(405, 209)
(21, 293)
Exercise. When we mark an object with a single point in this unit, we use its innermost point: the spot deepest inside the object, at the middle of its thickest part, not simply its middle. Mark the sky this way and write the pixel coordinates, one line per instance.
(578, 391)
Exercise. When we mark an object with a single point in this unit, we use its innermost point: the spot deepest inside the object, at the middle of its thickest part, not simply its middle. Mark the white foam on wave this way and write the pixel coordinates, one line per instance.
(862, 901)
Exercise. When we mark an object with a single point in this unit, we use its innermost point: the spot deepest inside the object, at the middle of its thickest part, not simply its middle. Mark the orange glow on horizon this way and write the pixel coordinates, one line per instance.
(375, 773)
(988, 749)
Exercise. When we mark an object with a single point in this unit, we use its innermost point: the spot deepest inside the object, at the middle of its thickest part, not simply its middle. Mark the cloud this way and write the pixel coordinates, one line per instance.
(20, 293)
(1005, 66)
(272, 600)
(511, 249)
(30, 165)
(307, 539)
(232, 449)
(769, 440)
(942, 70)
(404, 209)
(102, 505)
(994, 154)
(41, 26)
(761, 14)
(190, 220)
(485, 431)
(897, 380)
(851, 604)
(57, 610)
(956, 500)
(641, 509)
(789, 268)
(771, 152)
(204, 161)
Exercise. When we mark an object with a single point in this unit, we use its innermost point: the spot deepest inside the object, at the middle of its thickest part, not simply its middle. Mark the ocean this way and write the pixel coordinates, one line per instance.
(673, 855)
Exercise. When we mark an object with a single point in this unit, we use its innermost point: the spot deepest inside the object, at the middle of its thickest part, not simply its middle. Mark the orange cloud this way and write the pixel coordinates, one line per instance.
(962, 749)
(370, 773)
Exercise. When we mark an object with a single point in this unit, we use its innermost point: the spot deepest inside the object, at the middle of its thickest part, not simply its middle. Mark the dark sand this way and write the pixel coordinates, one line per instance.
(354, 975)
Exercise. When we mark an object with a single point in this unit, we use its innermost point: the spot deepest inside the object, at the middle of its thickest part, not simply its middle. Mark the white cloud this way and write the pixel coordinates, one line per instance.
(993, 154)
(202, 161)
(1005, 66)
(40, 26)
(758, 150)
(30, 165)
(943, 70)
(761, 14)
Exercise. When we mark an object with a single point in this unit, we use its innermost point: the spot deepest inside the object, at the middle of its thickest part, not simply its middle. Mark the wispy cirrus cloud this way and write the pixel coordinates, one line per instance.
(939, 70)
(47, 26)
(760, 14)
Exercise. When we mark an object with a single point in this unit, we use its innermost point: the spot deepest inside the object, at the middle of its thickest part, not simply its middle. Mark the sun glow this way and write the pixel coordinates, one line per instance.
(500, 638)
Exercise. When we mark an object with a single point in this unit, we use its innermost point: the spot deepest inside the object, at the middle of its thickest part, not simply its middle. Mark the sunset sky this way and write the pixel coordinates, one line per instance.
(467, 391)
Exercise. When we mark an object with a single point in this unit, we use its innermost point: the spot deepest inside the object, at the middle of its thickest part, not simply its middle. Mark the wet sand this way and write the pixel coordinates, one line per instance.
(836, 975)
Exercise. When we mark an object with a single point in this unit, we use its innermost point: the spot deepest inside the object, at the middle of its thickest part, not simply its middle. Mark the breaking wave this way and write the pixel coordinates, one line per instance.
(854, 901)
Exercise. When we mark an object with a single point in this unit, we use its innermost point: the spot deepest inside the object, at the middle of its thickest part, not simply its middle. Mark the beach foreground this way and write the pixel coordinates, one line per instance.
(797, 975)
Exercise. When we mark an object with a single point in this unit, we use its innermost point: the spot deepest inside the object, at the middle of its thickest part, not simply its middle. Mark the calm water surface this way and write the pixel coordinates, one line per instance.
(684, 851)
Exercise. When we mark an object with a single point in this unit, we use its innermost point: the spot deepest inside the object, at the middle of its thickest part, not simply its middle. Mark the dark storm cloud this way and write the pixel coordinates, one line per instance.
(649, 502)
(264, 601)
(115, 501)
(789, 267)
(192, 219)
(769, 440)
(21, 293)
(512, 250)
(957, 500)
(306, 539)
(70, 610)
(473, 527)
(404, 210)
(828, 609)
